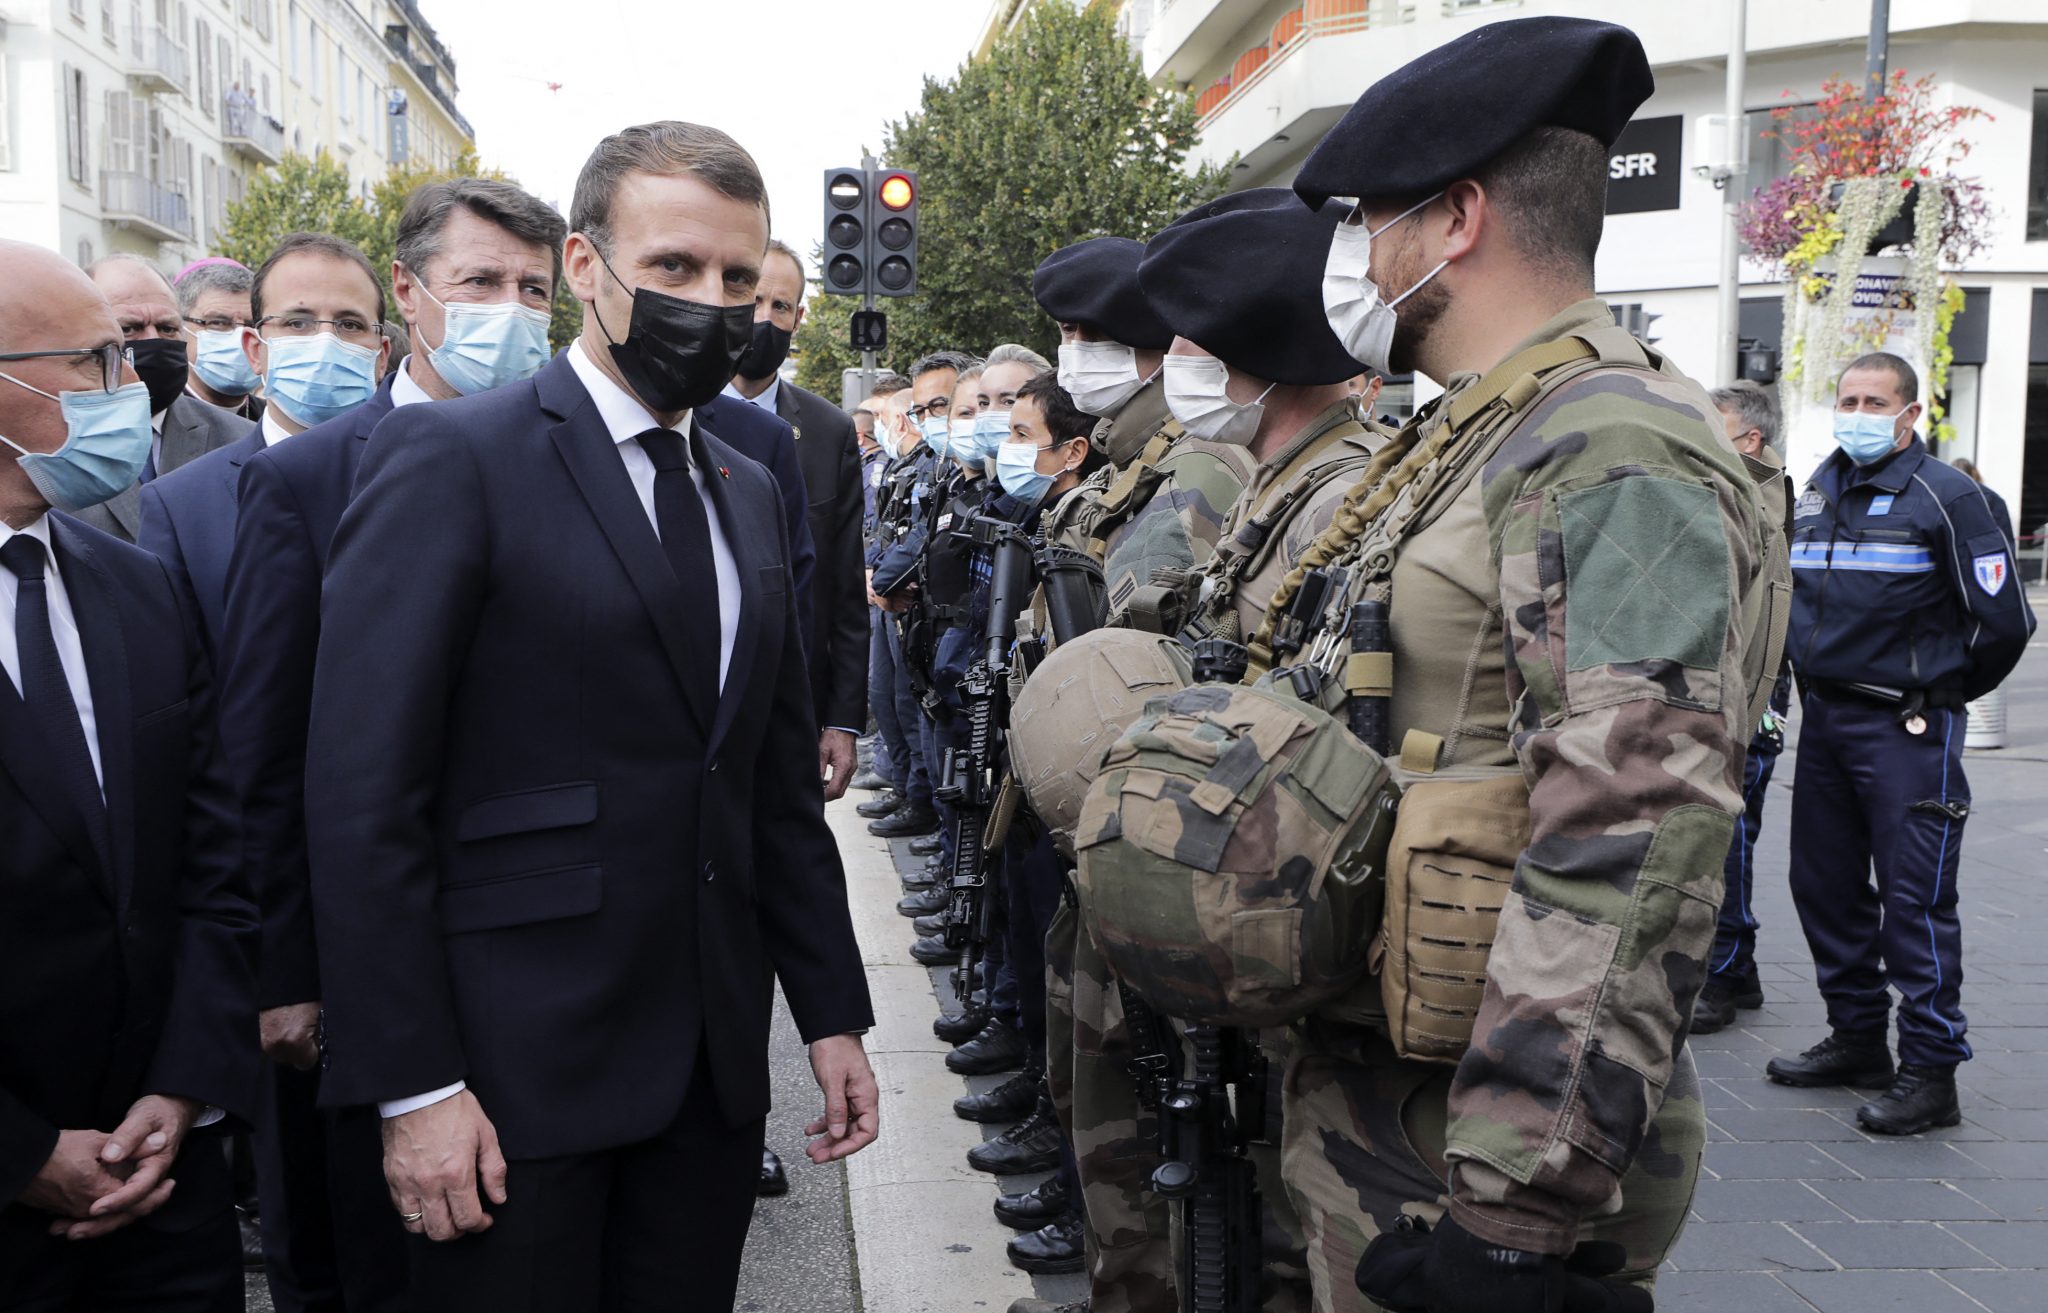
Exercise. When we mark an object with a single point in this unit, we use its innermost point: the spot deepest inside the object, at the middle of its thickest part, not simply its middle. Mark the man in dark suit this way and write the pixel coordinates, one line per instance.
(186, 428)
(768, 440)
(561, 806)
(126, 1018)
(830, 463)
(476, 267)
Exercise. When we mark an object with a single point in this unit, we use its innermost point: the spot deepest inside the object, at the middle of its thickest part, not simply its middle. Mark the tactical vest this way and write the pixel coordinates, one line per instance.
(1414, 529)
(949, 556)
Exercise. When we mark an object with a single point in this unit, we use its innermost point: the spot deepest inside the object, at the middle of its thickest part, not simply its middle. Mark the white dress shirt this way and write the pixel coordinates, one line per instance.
(63, 628)
(626, 419)
(765, 401)
(405, 389)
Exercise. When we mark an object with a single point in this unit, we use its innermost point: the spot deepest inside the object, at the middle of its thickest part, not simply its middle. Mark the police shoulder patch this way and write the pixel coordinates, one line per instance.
(1992, 570)
(1810, 503)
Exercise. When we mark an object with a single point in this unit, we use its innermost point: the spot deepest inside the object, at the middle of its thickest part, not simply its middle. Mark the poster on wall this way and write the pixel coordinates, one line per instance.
(1881, 317)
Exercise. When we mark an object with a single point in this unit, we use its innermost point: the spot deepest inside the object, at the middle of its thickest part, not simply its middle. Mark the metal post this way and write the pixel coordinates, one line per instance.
(867, 358)
(1878, 52)
(1733, 191)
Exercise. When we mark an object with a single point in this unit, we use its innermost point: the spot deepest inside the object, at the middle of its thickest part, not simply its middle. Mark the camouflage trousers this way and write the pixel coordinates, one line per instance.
(1130, 1231)
(1364, 1145)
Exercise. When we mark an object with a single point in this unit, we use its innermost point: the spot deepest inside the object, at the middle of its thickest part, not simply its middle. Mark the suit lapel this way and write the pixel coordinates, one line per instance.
(785, 407)
(184, 439)
(593, 460)
(94, 606)
(125, 508)
(747, 561)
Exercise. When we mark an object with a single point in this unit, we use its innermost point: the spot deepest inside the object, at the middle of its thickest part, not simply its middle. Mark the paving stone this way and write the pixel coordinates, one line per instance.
(1904, 1201)
(2001, 1292)
(1719, 1292)
(1745, 1247)
(2015, 1200)
(1763, 1092)
(2016, 1160)
(2009, 1244)
(1782, 1124)
(1880, 1292)
(1911, 1159)
(1773, 1162)
(1779, 1201)
(1892, 1244)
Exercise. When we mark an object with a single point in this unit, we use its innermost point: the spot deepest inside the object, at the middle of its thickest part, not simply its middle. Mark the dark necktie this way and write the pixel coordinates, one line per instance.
(45, 691)
(686, 541)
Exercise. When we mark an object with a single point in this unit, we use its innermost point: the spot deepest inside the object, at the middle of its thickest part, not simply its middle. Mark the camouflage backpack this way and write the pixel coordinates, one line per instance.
(1231, 855)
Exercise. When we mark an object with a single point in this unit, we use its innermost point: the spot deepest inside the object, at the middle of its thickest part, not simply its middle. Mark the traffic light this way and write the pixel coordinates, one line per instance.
(846, 231)
(893, 254)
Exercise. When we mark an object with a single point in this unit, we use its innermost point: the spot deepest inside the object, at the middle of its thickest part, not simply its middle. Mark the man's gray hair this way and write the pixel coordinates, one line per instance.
(230, 278)
(957, 361)
(92, 270)
(1753, 407)
(1012, 353)
(669, 148)
(511, 208)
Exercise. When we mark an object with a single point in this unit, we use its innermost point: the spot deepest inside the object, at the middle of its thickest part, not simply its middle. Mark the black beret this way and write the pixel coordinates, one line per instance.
(1438, 118)
(1096, 283)
(1242, 278)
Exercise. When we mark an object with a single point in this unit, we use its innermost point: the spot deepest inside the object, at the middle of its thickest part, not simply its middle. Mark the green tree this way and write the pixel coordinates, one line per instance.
(1055, 137)
(301, 194)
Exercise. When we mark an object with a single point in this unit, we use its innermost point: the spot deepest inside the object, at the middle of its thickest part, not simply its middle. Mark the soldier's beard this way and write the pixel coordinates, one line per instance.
(1413, 322)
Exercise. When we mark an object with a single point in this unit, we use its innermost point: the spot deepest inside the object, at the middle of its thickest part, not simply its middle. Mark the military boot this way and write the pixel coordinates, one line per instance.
(926, 845)
(1032, 1145)
(998, 1047)
(1055, 1247)
(1008, 1102)
(1921, 1099)
(933, 951)
(878, 806)
(905, 822)
(931, 923)
(959, 1027)
(924, 902)
(1048, 1201)
(924, 877)
(868, 781)
(1859, 1060)
(1721, 996)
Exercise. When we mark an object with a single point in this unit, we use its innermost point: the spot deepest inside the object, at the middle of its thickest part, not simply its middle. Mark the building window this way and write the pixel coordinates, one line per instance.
(341, 87)
(293, 30)
(106, 19)
(85, 252)
(313, 58)
(75, 126)
(362, 102)
(2037, 173)
(1770, 143)
(264, 82)
(203, 39)
(78, 9)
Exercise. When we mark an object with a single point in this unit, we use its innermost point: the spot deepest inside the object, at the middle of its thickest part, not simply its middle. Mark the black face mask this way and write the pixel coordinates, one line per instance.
(160, 364)
(677, 354)
(766, 350)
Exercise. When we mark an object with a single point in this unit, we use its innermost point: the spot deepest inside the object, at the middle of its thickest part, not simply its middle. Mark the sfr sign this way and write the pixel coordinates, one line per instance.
(1644, 168)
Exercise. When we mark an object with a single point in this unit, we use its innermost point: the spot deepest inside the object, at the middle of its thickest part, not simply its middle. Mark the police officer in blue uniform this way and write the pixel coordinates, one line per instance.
(1904, 608)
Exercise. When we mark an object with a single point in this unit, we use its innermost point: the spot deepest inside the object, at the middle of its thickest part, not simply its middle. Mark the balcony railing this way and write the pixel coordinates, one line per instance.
(1295, 29)
(156, 62)
(142, 202)
(248, 131)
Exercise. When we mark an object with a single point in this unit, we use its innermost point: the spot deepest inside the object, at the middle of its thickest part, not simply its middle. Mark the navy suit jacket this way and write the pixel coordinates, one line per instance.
(548, 857)
(768, 439)
(830, 457)
(188, 523)
(292, 497)
(128, 969)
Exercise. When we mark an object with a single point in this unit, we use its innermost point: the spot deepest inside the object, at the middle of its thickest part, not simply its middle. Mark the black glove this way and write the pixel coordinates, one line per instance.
(1413, 1269)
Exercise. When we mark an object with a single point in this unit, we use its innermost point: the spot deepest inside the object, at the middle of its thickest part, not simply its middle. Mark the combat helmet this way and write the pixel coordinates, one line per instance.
(1232, 852)
(1075, 705)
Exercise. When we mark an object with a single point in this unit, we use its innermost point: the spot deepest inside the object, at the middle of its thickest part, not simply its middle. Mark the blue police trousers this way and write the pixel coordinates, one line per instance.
(910, 720)
(1868, 794)
(892, 755)
(1734, 955)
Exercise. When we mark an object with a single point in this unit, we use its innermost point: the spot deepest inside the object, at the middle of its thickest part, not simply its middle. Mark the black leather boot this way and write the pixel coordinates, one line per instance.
(931, 923)
(926, 845)
(1858, 1060)
(1055, 1247)
(905, 822)
(1032, 1145)
(959, 1027)
(924, 902)
(1720, 997)
(999, 1047)
(880, 805)
(1921, 1099)
(1045, 1202)
(931, 951)
(1010, 1101)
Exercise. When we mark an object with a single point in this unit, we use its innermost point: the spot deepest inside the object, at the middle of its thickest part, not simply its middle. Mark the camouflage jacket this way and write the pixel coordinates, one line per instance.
(1624, 531)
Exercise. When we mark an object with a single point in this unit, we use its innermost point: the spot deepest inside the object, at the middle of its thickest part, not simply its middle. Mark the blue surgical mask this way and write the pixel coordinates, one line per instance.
(935, 432)
(487, 346)
(991, 429)
(222, 365)
(1865, 437)
(106, 444)
(960, 440)
(1017, 470)
(314, 379)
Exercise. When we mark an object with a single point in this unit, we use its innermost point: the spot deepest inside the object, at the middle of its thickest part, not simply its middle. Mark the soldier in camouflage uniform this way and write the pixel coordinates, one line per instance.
(1570, 548)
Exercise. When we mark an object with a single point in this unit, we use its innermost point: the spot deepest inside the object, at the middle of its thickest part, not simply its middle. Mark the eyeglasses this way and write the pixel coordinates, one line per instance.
(114, 359)
(348, 328)
(217, 323)
(932, 409)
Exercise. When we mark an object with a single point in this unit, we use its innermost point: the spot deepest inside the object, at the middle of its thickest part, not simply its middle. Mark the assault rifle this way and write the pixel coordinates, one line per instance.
(967, 779)
(1207, 1121)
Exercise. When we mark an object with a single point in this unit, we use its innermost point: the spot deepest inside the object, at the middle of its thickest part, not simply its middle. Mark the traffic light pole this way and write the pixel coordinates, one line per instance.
(867, 300)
